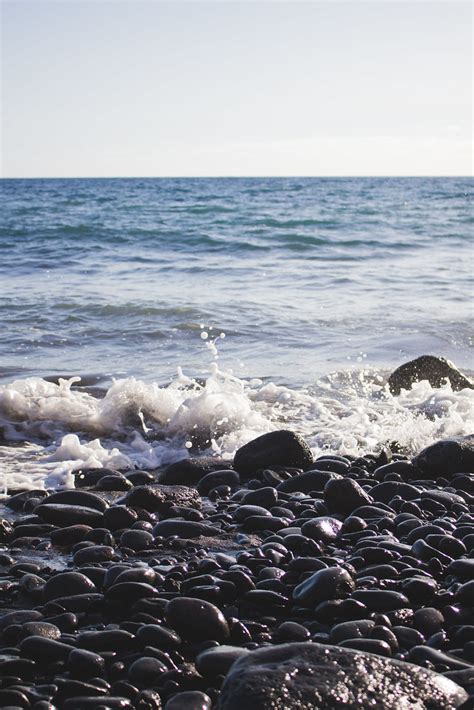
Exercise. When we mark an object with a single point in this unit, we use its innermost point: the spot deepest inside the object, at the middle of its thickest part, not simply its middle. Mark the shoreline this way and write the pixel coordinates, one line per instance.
(171, 576)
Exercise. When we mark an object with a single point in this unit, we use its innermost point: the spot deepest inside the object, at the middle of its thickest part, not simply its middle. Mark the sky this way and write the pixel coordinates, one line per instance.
(219, 88)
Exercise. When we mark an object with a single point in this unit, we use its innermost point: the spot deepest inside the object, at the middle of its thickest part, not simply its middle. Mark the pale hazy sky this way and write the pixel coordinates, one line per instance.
(151, 88)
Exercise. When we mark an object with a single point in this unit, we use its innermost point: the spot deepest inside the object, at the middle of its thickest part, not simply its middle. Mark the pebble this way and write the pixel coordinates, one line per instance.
(196, 620)
(330, 583)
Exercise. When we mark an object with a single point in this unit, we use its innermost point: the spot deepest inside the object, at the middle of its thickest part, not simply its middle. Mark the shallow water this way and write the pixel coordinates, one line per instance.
(320, 286)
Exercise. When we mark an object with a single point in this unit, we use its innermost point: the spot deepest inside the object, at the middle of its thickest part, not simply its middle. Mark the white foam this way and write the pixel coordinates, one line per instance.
(143, 425)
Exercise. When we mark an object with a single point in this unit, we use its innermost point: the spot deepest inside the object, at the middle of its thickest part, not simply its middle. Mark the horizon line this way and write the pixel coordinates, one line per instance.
(222, 177)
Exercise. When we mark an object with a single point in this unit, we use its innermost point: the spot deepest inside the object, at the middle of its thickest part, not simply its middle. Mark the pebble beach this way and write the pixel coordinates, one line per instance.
(236, 460)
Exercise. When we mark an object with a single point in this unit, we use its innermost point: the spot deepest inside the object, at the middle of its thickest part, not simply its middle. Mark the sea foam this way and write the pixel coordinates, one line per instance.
(52, 430)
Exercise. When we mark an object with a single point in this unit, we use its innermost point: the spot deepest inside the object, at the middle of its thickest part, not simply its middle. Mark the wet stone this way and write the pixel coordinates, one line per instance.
(330, 583)
(317, 676)
(283, 448)
(344, 495)
(197, 620)
(159, 498)
(67, 584)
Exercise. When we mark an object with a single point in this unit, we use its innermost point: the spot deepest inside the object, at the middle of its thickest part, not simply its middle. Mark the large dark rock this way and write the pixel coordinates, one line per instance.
(158, 498)
(311, 676)
(343, 495)
(188, 472)
(427, 367)
(446, 457)
(278, 448)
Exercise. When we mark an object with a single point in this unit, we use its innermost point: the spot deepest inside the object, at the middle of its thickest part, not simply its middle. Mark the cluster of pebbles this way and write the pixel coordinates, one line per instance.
(270, 582)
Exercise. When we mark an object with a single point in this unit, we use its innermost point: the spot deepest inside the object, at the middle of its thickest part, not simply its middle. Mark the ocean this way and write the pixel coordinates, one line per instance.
(200, 313)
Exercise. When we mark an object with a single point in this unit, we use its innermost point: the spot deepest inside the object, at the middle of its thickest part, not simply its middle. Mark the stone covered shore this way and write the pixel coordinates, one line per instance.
(273, 581)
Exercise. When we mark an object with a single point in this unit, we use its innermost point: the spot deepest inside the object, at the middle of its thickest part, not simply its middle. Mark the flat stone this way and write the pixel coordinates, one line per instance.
(74, 497)
(428, 367)
(311, 676)
(64, 515)
(282, 448)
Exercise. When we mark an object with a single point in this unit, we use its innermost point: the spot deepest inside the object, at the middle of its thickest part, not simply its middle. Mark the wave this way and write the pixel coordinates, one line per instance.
(59, 426)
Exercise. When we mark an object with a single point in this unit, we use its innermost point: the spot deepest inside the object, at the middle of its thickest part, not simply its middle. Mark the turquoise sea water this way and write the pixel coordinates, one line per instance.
(320, 286)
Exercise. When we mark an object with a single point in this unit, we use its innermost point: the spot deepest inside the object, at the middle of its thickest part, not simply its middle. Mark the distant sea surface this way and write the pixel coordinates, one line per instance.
(314, 282)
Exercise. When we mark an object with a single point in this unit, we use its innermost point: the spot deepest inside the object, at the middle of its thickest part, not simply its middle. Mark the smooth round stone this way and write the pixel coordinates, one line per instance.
(447, 457)
(158, 637)
(419, 590)
(136, 540)
(359, 628)
(291, 631)
(189, 700)
(465, 594)
(265, 497)
(64, 515)
(312, 480)
(94, 553)
(65, 537)
(428, 620)
(245, 511)
(107, 640)
(217, 661)
(44, 650)
(77, 498)
(384, 492)
(85, 664)
(381, 599)
(324, 529)
(282, 448)
(330, 583)
(369, 645)
(140, 478)
(225, 477)
(197, 620)
(343, 495)
(67, 584)
(118, 517)
(184, 529)
(137, 574)
(312, 675)
(113, 483)
(129, 592)
(145, 672)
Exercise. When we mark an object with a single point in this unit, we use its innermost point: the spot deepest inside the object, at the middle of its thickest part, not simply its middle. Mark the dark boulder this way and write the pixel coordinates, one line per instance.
(447, 457)
(310, 675)
(428, 367)
(282, 448)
